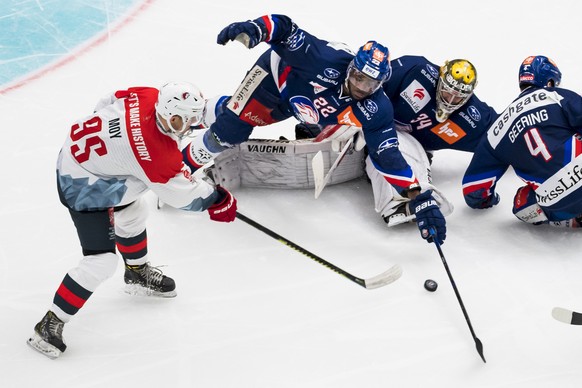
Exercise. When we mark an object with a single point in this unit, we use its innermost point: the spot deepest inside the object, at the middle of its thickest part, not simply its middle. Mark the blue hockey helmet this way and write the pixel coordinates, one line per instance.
(538, 70)
(368, 70)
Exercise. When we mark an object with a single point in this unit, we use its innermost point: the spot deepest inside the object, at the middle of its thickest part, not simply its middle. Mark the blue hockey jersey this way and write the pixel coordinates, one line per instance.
(412, 91)
(311, 82)
(539, 135)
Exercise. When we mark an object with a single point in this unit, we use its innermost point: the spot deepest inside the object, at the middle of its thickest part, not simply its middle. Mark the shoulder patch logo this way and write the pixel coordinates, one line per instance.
(296, 40)
(331, 73)
(474, 113)
(432, 71)
(371, 106)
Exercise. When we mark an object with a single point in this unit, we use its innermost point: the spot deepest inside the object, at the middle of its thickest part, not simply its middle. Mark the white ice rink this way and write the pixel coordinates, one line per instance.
(251, 312)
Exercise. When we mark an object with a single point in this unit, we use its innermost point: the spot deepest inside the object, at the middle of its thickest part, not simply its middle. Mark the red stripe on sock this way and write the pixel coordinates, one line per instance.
(71, 298)
(132, 248)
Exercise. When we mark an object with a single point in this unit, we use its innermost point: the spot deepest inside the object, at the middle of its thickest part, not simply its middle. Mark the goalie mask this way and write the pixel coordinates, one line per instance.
(184, 100)
(457, 81)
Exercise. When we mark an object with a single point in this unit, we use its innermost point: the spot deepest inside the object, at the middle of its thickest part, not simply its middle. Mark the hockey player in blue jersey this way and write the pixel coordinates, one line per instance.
(317, 82)
(437, 104)
(539, 135)
(434, 108)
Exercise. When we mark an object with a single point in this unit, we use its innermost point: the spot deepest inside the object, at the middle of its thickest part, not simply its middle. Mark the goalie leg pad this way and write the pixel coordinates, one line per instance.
(388, 202)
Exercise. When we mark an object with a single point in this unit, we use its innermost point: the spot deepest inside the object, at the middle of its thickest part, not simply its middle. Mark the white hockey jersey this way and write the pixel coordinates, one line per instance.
(117, 154)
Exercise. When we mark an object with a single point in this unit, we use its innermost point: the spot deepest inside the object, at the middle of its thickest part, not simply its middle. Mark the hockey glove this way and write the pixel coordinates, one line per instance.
(249, 33)
(480, 200)
(224, 209)
(428, 215)
(340, 135)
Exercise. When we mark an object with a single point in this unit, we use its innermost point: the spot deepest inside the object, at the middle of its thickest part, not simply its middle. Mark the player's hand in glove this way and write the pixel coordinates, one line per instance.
(479, 199)
(249, 33)
(340, 135)
(429, 216)
(224, 209)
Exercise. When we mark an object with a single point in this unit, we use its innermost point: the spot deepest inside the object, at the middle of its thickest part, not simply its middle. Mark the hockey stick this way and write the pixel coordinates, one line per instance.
(318, 168)
(385, 278)
(567, 316)
(478, 343)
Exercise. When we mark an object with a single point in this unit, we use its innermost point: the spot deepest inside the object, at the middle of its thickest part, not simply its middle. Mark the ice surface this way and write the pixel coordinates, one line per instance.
(251, 312)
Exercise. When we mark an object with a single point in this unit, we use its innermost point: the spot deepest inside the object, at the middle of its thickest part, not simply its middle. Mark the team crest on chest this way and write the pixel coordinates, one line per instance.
(304, 109)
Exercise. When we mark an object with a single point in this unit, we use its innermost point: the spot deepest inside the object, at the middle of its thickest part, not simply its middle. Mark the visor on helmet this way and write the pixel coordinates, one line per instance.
(360, 85)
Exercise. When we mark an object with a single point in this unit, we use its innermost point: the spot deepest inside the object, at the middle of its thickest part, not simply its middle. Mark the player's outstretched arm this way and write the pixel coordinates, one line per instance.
(267, 28)
(429, 217)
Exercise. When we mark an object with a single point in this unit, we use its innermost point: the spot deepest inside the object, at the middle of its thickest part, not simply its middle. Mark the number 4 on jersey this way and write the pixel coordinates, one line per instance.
(536, 144)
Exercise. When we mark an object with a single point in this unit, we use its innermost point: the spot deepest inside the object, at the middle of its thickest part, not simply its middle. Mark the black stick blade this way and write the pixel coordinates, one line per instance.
(479, 346)
(567, 316)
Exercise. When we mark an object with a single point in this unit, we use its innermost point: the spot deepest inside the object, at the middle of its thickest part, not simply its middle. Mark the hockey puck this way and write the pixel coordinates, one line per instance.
(430, 285)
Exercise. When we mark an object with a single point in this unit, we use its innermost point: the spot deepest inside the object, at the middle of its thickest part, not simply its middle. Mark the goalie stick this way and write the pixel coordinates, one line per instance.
(318, 169)
(385, 278)
(567, 316)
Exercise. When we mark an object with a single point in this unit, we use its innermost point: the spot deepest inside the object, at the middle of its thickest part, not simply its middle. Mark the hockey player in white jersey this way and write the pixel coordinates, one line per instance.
(128, 146)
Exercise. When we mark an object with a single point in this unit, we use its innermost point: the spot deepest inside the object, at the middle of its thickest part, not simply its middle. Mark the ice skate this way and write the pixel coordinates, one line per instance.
(402, 215)
(48, 336)
(148, 281)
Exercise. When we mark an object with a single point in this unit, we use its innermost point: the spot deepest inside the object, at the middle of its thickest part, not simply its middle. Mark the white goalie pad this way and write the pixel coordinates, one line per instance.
(281, 164)
(386, 198)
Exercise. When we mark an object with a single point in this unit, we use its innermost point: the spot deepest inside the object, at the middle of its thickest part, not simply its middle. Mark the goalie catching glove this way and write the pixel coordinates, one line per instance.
(429, 217)
(224, 209)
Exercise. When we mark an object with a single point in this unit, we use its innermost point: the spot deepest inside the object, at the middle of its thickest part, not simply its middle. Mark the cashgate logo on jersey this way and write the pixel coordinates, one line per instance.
(416, 96)
(304, 109)
(520, 114)
(449, 132)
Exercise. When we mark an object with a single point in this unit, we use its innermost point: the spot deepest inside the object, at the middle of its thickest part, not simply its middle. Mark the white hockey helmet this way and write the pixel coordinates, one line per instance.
(184, 100)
